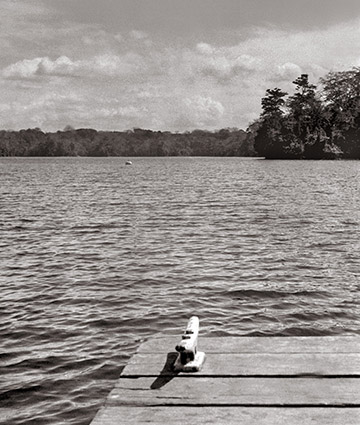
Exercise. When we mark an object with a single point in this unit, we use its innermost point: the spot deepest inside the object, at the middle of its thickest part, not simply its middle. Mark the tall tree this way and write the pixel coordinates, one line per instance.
(301, 104)
(272, 104)
(269, 141)
(341, 90)
(341, 94)
(306, 117)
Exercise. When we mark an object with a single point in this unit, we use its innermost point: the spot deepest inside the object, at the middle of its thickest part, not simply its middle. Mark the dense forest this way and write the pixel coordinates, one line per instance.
(136, 142)
(312, 123)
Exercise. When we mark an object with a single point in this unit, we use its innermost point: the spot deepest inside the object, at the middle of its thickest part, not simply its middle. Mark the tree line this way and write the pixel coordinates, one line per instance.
(136, 142)
(312, 123)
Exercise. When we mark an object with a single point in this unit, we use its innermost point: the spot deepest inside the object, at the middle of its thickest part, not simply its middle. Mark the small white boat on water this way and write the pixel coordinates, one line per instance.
(128, 163)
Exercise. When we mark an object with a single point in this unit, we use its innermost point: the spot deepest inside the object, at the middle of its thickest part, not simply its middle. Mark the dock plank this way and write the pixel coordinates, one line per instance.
(125, 415)
(147, 364)
(237, 391)
(313, 344)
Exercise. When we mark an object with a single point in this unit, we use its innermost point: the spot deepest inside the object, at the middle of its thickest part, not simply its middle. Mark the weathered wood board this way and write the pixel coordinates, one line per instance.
(237, 391)
(226, 416)
(248, 380)
(255, 364)
(273, 344)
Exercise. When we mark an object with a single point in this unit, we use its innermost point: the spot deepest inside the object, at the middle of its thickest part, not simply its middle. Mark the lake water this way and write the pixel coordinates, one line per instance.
(97, 256)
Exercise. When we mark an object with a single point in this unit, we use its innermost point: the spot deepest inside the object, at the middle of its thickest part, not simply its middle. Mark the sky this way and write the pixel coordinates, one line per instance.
(174, 65)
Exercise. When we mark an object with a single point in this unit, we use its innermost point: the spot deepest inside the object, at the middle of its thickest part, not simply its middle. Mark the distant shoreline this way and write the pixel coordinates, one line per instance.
(145, 143)
(131, 143)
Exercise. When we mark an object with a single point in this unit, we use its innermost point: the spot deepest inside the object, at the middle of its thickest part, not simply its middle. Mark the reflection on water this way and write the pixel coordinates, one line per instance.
(97, 256)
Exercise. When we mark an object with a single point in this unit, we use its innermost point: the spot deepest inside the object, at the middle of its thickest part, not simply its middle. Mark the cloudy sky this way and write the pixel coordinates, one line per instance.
(163, 64)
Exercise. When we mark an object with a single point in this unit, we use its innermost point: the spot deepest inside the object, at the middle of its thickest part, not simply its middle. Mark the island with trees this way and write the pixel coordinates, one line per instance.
(311, 124)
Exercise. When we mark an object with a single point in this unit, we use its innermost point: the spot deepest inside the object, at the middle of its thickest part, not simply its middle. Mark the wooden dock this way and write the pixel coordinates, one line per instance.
(244, 380)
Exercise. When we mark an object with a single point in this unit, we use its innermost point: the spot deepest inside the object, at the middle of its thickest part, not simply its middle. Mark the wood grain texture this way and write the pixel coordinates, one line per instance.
(148, 364)
(125, 415)
(201, 391)
(313, 344)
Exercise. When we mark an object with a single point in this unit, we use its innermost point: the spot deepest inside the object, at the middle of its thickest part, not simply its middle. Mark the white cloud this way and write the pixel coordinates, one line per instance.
(223, 64)
(287, 72)
(138, 35)
(199, 111)
(108, 65)
(54, 110)
(204, 48)
(225, 67)
(5, 107)
(119, 37)
(118, 112)
(23, 69)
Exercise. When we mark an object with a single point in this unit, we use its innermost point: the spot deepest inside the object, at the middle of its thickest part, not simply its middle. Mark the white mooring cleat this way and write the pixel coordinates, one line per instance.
(189, 359)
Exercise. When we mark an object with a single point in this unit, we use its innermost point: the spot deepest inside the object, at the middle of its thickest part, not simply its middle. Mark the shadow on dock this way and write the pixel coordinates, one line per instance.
(167, 373)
